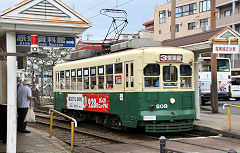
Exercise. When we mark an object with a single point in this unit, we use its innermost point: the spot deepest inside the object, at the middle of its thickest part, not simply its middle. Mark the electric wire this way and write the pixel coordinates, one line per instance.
(112, 8)
(94, 6)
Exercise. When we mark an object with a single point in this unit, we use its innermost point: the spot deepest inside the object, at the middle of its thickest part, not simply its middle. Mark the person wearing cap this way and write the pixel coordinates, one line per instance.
(24, 97)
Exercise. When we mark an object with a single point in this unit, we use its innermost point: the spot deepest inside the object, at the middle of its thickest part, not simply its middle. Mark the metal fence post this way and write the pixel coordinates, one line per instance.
(162, 144)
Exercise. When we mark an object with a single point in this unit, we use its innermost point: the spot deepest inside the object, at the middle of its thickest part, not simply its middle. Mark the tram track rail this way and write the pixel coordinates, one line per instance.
(102, 137)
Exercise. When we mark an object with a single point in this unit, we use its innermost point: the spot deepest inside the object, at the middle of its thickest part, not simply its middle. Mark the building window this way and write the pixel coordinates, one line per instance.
(227, 13)
(169, 13)
(162, 16)
(203, 22)
(205, 6)
(186, 10)
(160, 32)
(192, 8)
(177, 28)
(191, 26)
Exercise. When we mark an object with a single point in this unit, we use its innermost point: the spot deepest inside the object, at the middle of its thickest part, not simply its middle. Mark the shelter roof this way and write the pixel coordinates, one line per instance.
(192, 39)
(44, 11)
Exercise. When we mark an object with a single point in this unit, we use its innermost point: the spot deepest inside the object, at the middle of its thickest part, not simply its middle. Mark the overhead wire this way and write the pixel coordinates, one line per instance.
(113, 8)
(94, 6)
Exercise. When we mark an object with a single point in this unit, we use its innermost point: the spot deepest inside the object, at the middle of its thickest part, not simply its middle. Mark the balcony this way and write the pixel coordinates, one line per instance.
(224, 21)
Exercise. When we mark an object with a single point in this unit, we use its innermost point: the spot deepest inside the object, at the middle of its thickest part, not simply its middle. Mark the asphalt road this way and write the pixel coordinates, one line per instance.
(233, 110)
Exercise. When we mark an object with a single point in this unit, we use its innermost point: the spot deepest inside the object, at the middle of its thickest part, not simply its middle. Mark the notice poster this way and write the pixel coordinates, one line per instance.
(89, 102)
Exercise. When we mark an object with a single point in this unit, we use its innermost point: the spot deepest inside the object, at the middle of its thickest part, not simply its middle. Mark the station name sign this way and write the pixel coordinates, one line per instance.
(170, 57)
(225, 49)
(46, 41)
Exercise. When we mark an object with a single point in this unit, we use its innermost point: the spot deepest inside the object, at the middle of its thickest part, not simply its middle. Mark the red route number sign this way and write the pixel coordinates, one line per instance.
(170, 57)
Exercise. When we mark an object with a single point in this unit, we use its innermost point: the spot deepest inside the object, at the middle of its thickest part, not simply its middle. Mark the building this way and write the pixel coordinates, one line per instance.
(148, 32)
(228, 14)
(191, 17)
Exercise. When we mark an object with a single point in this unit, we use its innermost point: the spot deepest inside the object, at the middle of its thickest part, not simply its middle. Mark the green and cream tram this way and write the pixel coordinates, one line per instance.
(151, 88)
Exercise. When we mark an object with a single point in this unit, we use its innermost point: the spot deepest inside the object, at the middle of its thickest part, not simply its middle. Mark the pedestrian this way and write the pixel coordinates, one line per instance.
(19, 81)
(24, 97)
(35, 92)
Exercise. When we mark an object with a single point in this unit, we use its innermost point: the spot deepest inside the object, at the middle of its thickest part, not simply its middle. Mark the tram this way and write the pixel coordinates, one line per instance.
(150, 88)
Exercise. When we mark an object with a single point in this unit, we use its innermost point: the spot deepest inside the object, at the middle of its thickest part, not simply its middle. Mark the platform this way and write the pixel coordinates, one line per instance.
(39, 141)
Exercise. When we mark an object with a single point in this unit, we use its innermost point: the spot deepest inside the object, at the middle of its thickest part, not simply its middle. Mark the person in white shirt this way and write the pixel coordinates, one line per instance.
(24, 97)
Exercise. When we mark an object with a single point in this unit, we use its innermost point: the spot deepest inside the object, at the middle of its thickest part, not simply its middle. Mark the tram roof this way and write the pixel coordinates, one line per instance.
(130, 52)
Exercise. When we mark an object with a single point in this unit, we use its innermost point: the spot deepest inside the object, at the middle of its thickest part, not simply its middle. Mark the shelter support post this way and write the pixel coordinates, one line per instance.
(196, 80)
(214, 92)
(11, 93)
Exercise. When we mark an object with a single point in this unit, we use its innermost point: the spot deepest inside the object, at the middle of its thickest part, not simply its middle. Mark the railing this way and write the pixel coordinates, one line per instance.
(74, 122)
(229, 117)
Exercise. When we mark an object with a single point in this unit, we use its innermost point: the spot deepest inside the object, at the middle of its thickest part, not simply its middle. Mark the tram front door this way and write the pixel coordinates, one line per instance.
(130, 104)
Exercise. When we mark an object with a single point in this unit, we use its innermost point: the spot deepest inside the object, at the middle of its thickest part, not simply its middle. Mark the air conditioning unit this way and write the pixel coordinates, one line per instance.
(205, 28)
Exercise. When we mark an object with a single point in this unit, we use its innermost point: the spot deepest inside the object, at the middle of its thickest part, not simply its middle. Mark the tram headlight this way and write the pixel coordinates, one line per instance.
(172, 100)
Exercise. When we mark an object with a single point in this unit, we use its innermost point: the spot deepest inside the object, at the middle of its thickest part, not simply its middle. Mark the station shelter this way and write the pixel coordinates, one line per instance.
(55, 24)
(203, 43)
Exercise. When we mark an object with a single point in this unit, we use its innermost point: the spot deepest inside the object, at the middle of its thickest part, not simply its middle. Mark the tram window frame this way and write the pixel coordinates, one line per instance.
(118, 68)
(185, 78)
(67, 79)
(73, 79)
(86, 78)
(152, 78)
(93, 78)
(170, 81)
(79, 79)
(57, 80)
(109, 77)
(101, 77)
(132, 75)
(62, 80)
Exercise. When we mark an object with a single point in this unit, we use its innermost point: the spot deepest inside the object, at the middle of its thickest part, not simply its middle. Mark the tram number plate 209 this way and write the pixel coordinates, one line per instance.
(161, 106)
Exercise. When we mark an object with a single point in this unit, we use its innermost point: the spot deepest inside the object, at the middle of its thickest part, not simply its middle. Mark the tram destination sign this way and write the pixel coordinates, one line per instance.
(46, 41)
(170, 57)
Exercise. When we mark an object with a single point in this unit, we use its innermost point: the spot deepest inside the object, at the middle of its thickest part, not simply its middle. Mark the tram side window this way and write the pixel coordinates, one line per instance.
(127, 75)
(118, 68)
(186, 76)
(67, 76)
(101, 77)
(93, 78)
(86, 78)
(170, 76)
(109, 76)
(73, 79)
(151, 75)
(132, 78)
(62, 81)
(57, 80)
(79, 79)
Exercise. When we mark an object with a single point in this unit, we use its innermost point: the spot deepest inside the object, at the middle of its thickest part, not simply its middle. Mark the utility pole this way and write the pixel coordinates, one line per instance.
(214, 91)
(173, 19)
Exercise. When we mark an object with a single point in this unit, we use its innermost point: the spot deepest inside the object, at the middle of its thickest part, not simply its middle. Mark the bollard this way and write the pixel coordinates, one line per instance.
(72, 136)
(162, 143)
(51, 121)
